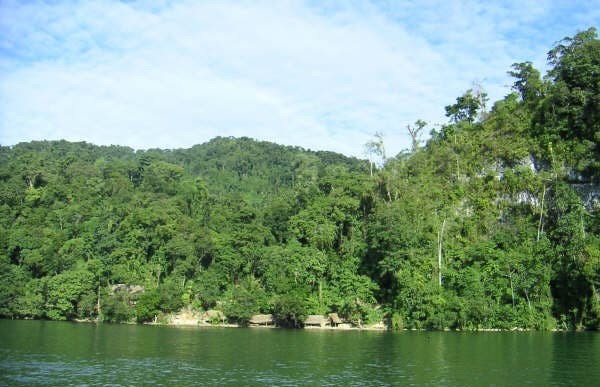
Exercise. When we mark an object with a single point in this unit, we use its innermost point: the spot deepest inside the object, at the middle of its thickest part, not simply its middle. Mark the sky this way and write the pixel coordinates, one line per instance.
(323, 75)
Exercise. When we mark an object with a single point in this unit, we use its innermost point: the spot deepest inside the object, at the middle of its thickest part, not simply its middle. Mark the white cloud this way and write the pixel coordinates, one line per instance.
(178, 74)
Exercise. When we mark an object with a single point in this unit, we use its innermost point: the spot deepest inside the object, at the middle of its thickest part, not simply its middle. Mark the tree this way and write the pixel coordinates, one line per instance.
(528, 83)
(65, 291)
(572, 286)
(466, 107)
(291, 309)
(245, 300)
(570, 115)
(414, 132)
(482, 226)
(147, 305)
(375, 151)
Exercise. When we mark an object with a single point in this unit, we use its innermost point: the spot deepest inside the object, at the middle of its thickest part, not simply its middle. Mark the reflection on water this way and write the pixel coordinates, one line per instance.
(52, 353)
(576, 358)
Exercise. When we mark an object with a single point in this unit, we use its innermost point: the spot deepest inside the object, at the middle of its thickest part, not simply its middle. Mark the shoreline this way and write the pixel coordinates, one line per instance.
(377, 328)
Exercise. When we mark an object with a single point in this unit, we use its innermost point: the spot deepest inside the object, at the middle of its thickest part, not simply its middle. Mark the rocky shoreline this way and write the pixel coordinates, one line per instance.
(175, 320)
(190, 318)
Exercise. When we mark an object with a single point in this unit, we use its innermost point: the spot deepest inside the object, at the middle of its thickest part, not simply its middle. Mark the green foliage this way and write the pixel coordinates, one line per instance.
(147, 306)
(528, 83)
(490, 224)
(291, 308)
(208, 288)
(245, 300)
(170, 296)
(65, 291)
(118, 307)
(466, 107)
(87, 306)
(396, 322)
(570, 112)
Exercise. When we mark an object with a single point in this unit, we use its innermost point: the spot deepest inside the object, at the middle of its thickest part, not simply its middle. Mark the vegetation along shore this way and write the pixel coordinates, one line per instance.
(491, 223)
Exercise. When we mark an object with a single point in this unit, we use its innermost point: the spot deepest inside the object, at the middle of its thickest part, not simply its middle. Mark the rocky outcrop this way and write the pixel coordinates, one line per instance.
(498, 168)
(589, 194)
(186, 316)
(212, 317)
(126, 288)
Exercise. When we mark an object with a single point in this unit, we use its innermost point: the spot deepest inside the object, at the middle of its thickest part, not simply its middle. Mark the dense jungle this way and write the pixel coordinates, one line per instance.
(488, 221)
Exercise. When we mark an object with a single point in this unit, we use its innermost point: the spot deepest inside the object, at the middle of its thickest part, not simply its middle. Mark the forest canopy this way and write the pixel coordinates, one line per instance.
(491, 223)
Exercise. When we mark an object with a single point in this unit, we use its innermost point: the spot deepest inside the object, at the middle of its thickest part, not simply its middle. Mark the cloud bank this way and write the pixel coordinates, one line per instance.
(319, 75)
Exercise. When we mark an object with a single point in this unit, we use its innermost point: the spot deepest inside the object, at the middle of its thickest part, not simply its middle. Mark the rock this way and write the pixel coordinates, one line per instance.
(126, 288)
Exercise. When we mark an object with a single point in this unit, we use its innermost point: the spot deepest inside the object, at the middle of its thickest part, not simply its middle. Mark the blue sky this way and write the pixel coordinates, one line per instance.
(321, 75)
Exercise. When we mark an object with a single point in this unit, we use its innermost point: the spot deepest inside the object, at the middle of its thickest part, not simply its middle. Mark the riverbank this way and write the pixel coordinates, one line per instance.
(211, 318)
(214, 319)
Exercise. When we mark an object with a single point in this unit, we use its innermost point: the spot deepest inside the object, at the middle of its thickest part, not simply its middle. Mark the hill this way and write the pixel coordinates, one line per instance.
(492, 223)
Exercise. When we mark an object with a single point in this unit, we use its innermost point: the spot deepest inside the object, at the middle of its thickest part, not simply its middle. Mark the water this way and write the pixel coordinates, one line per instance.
(63, 354)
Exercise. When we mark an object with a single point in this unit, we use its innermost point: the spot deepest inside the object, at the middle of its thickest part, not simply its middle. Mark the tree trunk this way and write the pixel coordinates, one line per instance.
(541, 225)
(528, 301)
(512, 290)
(457, 170)
(440, 239)
(99, 310)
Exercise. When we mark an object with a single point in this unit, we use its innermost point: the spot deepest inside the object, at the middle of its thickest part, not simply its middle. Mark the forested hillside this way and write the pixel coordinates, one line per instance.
(491, 223)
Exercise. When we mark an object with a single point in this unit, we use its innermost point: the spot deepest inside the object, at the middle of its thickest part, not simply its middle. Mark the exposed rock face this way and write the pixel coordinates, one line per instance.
(126, 288)
(185, 316)
(530, 163)
(498, 168)
(589, 193)
(526, 197)
(211, 316)
(377, 326)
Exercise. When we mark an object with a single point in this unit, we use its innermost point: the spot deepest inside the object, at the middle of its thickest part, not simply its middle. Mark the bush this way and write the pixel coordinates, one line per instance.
(396, 322)
(64, 292)
(86, 307)
(147, 306)
(291, 309)
(170, 297)
(117, 308)
(245, 300)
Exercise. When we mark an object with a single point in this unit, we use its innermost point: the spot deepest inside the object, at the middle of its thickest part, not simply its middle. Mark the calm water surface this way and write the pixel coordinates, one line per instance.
(62, 354)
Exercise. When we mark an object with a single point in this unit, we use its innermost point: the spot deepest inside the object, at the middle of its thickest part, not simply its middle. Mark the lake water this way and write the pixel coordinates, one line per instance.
(62, 354)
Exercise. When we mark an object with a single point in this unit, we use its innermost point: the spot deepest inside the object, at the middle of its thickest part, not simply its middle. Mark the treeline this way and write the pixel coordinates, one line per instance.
(491, 223)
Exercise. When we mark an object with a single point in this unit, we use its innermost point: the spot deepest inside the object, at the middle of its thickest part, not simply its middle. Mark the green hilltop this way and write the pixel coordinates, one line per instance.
(491, 223)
